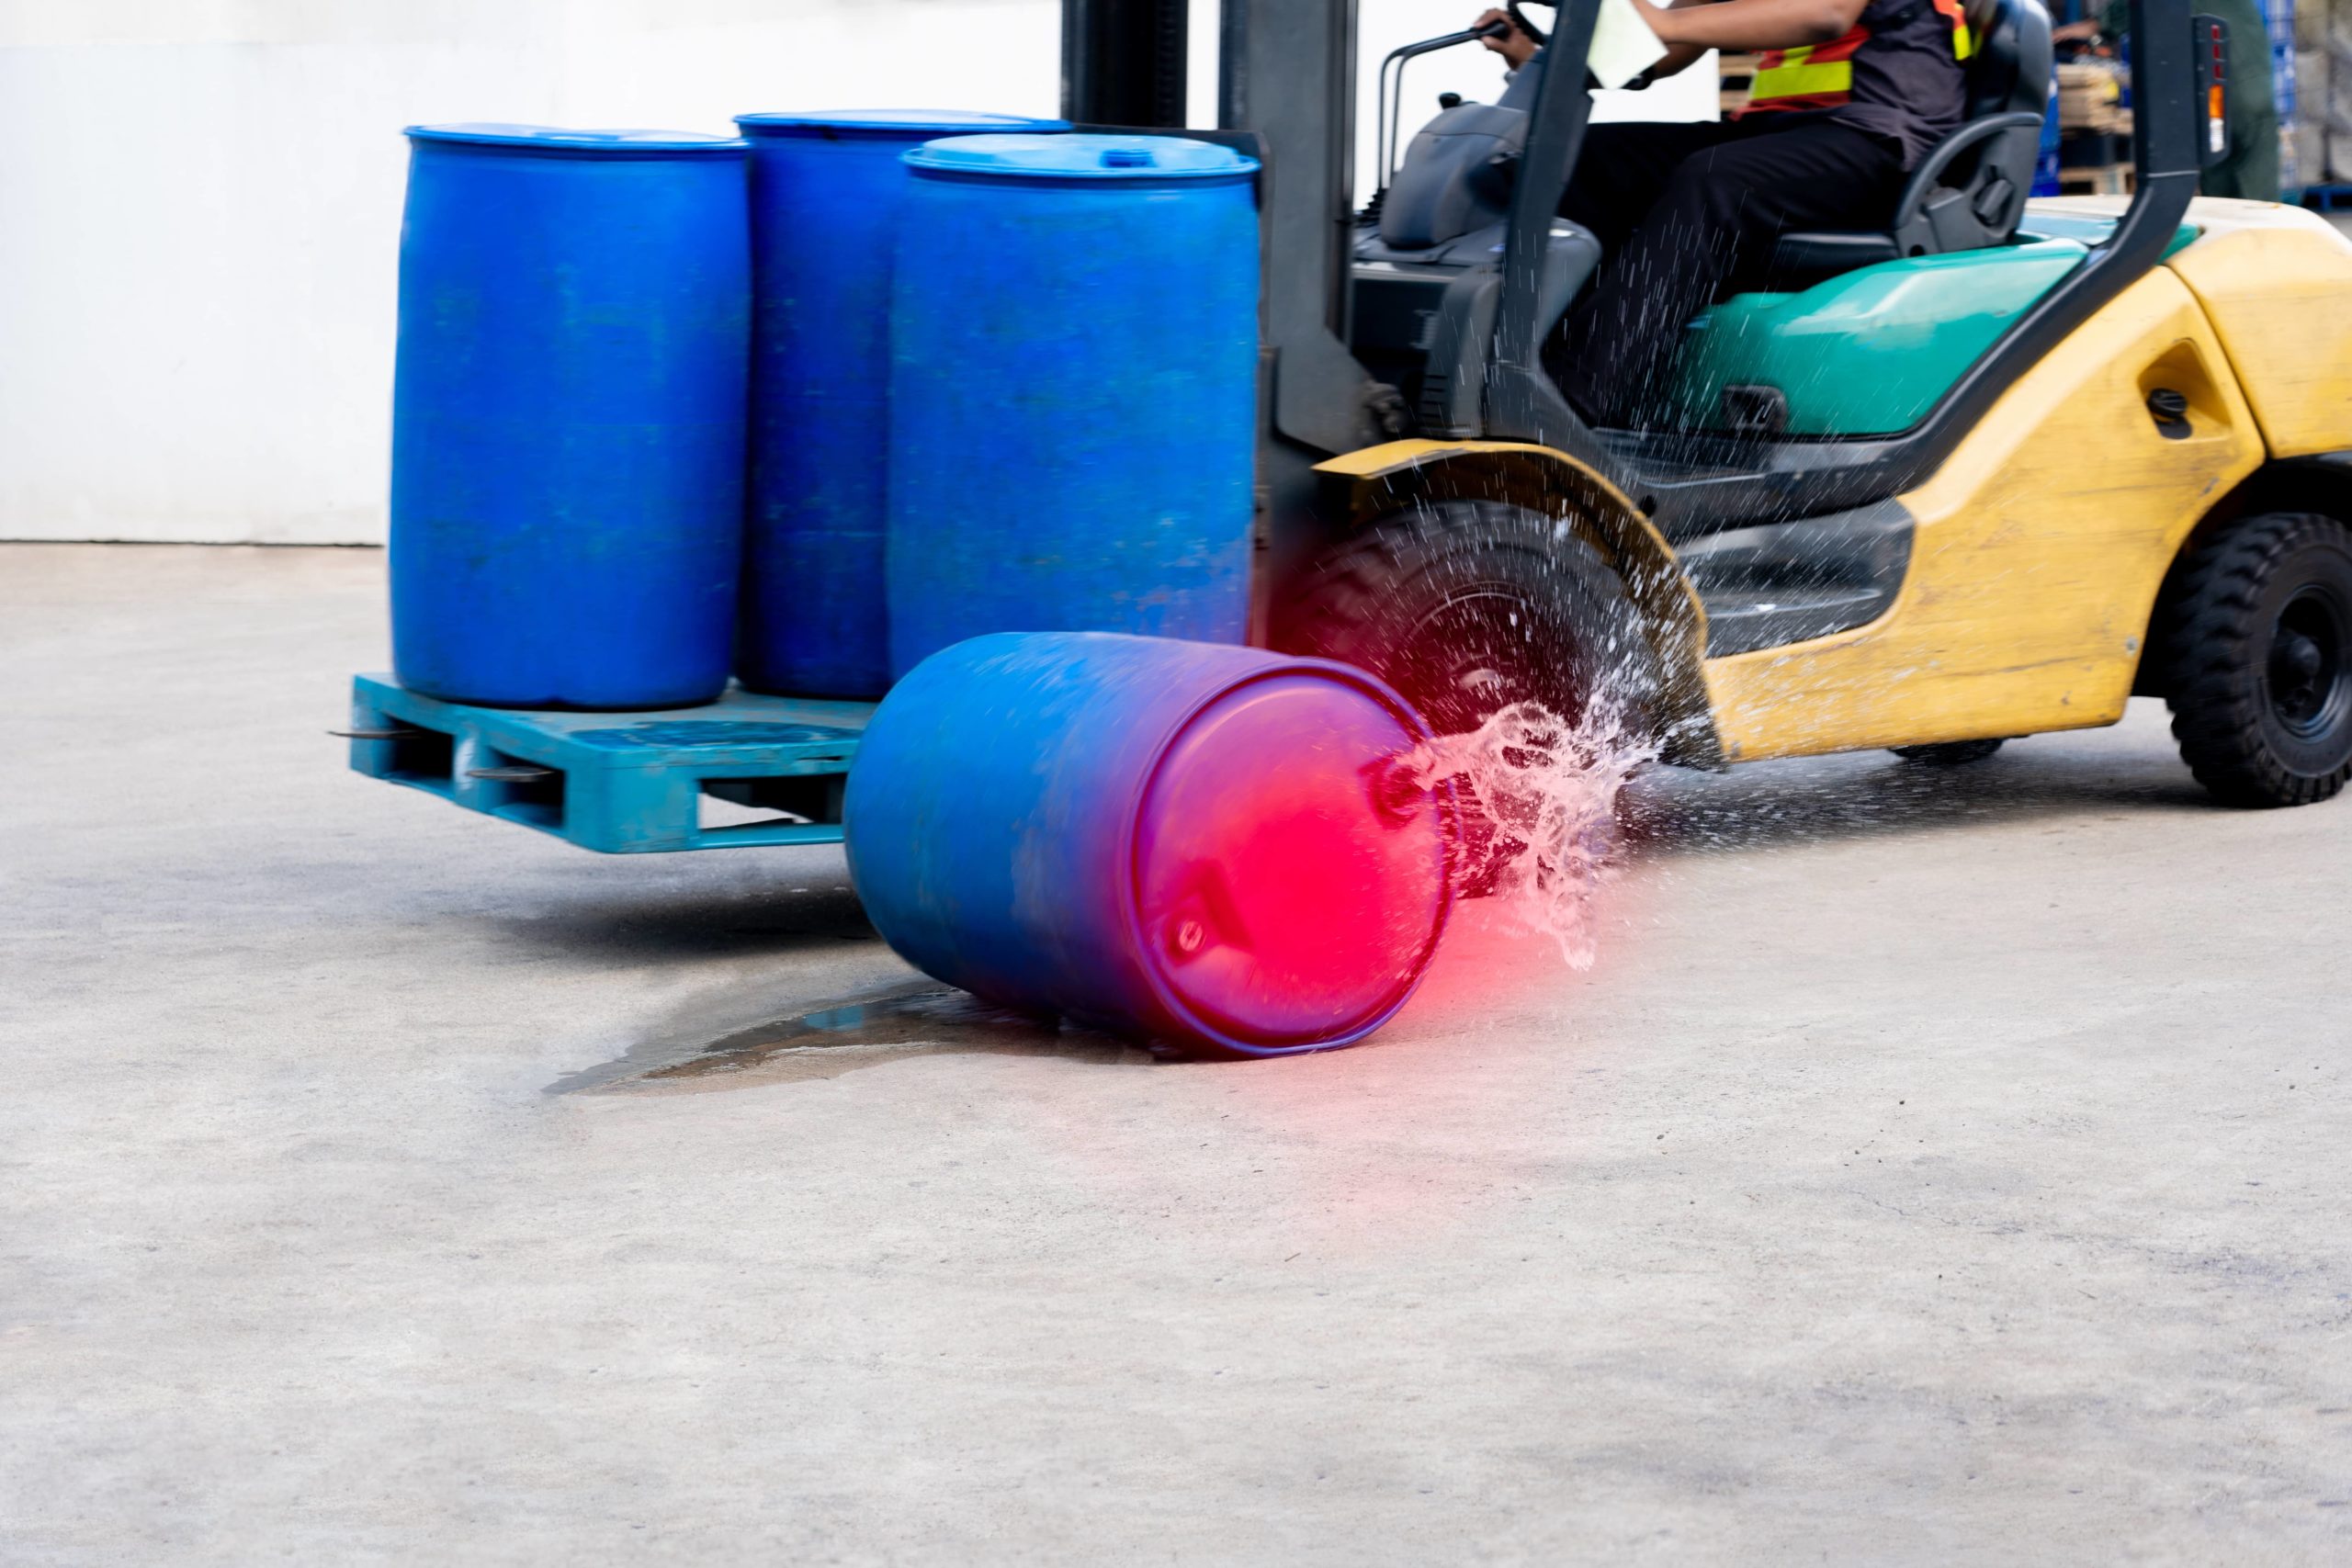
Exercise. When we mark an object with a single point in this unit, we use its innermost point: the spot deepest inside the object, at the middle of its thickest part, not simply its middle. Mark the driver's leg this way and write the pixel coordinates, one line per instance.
(1714, 216)
(1622, 168)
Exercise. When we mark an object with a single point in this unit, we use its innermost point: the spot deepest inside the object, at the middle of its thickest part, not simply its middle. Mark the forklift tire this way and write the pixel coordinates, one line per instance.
(2255, 644)
(1948, 753)
(1465, 607)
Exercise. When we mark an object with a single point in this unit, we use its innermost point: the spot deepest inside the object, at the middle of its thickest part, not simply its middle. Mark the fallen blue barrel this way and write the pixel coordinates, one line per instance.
(567, 416)
(1073, 391)
(1191, 842)
(825, 195)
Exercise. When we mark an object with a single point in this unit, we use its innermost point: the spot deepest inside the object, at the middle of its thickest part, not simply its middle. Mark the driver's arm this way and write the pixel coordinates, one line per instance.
(1746, 24)
(1678, 57)
(1515, 48)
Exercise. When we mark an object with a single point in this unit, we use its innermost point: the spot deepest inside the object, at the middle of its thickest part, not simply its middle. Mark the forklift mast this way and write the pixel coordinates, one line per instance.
(1123, 62)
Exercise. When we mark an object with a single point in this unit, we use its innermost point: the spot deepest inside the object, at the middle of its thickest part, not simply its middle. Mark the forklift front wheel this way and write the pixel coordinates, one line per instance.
(2256, 640)
(1465, 607)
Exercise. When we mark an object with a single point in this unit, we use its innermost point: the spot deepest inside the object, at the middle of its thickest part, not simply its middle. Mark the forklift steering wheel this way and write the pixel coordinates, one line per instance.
(1519, 19)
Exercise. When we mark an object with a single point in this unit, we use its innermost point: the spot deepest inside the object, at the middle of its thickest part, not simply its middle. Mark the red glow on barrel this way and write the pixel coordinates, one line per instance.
(1282, 892)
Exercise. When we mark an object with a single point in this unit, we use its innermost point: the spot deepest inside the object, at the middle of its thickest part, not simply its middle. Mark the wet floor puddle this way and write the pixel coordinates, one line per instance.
(843, 1036)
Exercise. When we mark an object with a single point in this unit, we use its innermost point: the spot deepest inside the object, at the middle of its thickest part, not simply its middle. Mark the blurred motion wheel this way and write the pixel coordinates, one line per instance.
(2255, 646)
(1948, 753)
(1464, 607)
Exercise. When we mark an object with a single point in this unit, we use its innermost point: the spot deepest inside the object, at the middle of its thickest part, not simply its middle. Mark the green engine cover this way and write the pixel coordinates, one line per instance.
(1870, 352)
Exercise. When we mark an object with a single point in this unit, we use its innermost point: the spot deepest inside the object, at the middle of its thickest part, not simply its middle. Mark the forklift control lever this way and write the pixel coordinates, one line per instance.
(1390, 104)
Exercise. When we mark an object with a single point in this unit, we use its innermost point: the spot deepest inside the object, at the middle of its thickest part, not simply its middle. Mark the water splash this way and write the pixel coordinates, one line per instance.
(1540, 794)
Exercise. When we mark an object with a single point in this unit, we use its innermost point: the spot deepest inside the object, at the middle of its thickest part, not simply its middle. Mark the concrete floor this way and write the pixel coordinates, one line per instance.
(1935, 1169)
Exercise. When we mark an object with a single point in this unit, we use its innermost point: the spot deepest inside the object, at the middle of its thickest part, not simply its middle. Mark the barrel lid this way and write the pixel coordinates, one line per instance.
(1288, 891)
(1082, 155)
(556, 138)
(889, 122)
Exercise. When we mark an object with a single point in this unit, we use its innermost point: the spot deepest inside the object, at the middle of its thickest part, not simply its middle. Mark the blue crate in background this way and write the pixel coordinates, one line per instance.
(2279, 19)
(2045, 161)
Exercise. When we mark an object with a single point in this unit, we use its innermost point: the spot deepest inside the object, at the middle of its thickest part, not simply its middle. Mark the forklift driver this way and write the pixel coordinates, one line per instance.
(1850, 94)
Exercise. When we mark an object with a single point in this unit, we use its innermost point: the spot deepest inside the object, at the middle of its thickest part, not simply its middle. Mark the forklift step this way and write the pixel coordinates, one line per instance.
(620, 782)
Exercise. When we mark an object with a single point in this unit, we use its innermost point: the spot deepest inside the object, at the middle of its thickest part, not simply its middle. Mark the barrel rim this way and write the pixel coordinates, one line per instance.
(1171, 1003)
(1077, 157)
(556, 140)
(827, 124)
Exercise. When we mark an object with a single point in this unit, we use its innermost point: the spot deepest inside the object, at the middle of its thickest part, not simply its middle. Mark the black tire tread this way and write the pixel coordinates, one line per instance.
(1340, 607)
(2206, 638)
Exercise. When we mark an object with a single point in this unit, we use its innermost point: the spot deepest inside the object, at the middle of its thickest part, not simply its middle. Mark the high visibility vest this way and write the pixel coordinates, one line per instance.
(1821, 76)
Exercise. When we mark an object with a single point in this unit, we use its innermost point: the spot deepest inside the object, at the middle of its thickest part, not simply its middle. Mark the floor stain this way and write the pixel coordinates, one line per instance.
(838, 1037)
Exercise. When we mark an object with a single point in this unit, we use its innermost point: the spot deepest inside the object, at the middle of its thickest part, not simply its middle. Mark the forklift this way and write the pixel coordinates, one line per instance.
(1986, 472)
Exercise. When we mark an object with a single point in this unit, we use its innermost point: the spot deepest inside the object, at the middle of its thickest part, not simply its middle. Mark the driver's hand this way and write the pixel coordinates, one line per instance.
(1515, 46)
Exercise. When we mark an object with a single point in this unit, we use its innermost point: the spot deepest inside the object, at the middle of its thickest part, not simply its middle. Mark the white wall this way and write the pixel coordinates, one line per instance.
(199, 212)
(199, 206)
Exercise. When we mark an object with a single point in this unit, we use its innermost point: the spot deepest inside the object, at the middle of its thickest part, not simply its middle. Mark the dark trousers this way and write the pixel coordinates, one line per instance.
(1681, 211)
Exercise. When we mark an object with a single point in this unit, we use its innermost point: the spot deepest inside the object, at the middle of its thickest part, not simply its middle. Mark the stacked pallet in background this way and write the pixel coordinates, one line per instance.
(2306, 126)
(2319, 126)
(1735, 75)
(2278, 22)
(2094, 128)
(2335, 101)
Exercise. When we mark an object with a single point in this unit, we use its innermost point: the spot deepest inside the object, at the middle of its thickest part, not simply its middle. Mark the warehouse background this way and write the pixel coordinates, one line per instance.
(2315, 101)
(202, 202)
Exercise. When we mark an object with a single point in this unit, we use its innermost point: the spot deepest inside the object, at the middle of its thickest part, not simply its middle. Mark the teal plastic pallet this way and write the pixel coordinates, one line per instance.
(620, 782)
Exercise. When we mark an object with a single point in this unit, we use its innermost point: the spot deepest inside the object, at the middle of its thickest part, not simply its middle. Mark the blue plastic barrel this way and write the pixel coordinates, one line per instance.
(825, 195)
(1187, 842)
(567, 416)
(1074, 363)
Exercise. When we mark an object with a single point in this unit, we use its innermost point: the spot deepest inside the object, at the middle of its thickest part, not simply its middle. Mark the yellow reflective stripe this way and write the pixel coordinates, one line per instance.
(1797, 77)
(1790, 74)
(1963, 42)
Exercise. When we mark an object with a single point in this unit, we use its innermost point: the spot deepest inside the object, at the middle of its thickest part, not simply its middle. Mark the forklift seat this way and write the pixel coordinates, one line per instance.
(1970, 190)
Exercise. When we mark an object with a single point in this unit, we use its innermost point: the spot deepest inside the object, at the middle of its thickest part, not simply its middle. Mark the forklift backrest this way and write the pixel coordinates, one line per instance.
(1970, 190)
(2010, 69)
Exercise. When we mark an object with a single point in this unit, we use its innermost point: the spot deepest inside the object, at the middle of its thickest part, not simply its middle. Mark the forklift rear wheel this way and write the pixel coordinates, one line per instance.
(1948, 753)
(1465, 607)
(2255, 644)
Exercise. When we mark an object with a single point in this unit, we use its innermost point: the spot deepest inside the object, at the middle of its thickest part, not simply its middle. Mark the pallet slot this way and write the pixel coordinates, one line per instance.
(809, 797)
(425, 758)
(533, 795)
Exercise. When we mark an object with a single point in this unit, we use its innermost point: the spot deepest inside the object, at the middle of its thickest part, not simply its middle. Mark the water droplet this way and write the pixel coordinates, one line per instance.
(1549, 787)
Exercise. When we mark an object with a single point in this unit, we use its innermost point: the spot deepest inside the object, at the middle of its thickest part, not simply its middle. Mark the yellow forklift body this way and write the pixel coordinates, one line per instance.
(2277, 283)
(2040, 546)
